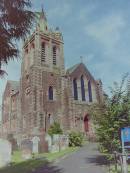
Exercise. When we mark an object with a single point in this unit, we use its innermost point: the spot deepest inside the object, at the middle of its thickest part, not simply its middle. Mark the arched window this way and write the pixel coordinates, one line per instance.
(75, 89)
(82, 89)
(89, 91)
(54, 55)
(43, 52)
(50, 93)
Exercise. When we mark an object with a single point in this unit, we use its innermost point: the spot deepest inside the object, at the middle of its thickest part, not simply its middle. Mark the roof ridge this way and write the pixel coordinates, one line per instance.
(72, 68)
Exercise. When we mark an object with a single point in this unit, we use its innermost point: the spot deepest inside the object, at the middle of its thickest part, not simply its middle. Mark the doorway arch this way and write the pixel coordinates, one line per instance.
(86, 123)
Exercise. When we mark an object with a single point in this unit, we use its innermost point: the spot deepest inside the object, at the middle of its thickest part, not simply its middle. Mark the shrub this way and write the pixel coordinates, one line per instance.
(55, 129)
(76, 139)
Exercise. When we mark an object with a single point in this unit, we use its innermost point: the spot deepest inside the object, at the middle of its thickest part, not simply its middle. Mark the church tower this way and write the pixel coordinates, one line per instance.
(41, 77)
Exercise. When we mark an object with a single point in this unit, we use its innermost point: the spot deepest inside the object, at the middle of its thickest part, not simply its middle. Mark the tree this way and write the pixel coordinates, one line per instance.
(112, 116)
(15, 23)
(55, 129)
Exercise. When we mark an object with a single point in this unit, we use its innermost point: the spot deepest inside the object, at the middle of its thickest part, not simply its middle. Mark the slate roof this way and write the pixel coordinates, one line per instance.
(73, 68)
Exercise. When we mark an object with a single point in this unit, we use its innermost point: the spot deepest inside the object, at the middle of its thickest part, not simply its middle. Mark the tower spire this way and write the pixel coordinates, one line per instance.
(43, 15)
(42, 20)
(42, 8)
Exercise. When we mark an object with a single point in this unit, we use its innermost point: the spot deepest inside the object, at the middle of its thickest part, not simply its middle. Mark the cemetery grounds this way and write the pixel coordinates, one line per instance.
(18, 165)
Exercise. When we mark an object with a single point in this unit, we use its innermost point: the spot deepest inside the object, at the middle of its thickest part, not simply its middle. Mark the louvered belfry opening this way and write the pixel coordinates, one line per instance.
(43, 52)
(54, 55)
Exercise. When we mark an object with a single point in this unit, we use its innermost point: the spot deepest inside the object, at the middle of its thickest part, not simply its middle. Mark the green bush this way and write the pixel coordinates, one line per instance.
(55, 129)
(76, 139)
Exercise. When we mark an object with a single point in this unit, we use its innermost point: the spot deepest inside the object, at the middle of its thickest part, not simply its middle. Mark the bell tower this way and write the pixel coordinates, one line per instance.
(41, 76)
(44, 48)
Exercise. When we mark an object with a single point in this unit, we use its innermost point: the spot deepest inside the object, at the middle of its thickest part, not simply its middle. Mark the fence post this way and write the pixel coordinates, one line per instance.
(115, 157)
(124, 160)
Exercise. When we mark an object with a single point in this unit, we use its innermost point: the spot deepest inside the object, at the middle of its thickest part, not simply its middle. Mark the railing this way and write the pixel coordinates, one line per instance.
(118, 163)
(121, 160)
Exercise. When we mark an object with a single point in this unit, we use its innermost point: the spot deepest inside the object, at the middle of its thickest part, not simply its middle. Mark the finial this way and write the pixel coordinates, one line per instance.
(43, 14)
(42, 8)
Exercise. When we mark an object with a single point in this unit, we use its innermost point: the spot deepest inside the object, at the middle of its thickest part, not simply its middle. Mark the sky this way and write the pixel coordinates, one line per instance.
(97, 30)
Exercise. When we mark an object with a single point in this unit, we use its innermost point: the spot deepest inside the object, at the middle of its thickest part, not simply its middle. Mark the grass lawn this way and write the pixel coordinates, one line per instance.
(20, 166)
(54, 156)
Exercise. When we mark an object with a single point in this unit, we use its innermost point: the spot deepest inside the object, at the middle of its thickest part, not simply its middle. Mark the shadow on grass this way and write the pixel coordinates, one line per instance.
(97, 160)
(49, 168)
(40, 165)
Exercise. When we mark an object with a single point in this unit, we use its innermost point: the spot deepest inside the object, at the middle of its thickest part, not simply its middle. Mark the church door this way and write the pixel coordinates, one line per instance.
(86, 123)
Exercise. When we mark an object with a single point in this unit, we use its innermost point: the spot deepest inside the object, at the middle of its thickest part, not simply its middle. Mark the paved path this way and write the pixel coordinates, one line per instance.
(86, 160)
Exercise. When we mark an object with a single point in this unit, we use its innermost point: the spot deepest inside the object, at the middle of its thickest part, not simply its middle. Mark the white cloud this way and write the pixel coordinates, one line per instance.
(106, 30)
(108, 34)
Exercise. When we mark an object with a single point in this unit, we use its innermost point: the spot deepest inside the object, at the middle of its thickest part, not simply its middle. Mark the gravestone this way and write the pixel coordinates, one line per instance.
(35, 144)
(64, 141)
(48, 139)
(43, 144)
(26, 148)
(5, 152)
(55, 144)
(13, 141)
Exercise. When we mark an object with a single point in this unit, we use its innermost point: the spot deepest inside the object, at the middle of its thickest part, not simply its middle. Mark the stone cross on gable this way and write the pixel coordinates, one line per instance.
(81, 59)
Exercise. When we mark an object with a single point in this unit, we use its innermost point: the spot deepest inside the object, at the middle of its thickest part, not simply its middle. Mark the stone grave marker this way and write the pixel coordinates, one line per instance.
(26, 147)
(35, 144)
(5, 152)
(48, 139)
(64, 141)
(55, 144)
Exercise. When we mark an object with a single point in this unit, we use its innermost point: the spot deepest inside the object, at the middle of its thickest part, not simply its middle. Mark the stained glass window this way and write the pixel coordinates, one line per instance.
(75, 89)
(82, 89)
(50, 93)
(89, 91)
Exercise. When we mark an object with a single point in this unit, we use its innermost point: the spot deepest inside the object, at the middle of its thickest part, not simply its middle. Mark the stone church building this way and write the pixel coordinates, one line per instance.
(47, 92)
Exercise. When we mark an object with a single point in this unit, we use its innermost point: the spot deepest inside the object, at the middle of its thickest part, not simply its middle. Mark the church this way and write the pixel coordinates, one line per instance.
(47, 92)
